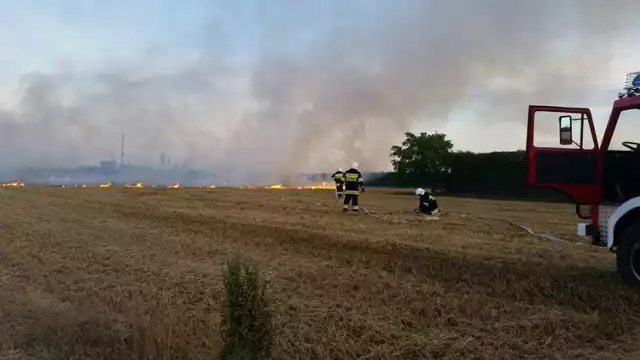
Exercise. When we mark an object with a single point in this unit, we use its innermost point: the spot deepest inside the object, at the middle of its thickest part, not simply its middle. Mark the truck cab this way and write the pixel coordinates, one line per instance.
(602, 178)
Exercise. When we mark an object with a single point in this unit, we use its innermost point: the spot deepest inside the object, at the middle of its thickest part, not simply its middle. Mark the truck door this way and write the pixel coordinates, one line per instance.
(562, 152)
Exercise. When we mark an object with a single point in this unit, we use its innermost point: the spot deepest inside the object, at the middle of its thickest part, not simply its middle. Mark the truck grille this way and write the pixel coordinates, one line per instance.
(604, 213)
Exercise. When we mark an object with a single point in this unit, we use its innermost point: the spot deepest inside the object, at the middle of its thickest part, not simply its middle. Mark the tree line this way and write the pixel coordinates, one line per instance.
(427, 160)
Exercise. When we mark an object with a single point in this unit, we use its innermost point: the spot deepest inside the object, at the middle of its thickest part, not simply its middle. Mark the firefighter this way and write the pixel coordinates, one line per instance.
(428, 204)
(338, 177)
(353, 186)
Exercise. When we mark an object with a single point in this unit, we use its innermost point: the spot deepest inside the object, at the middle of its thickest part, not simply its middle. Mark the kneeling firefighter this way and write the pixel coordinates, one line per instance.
(353, 186)
(428, 204)
(338, 177)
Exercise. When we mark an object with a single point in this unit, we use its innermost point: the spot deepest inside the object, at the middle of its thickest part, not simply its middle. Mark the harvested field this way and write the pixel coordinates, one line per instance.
(136, 273)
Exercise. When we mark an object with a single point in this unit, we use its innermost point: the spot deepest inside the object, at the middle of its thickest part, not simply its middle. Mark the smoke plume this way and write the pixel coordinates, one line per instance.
(326, 83)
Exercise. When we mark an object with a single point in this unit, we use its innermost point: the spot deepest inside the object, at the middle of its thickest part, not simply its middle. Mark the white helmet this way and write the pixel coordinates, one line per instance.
(354, 165)
(339, 169)
(419, 191)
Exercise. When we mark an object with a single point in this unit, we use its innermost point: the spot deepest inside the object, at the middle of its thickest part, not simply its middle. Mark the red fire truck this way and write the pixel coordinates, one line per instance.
(601, 178)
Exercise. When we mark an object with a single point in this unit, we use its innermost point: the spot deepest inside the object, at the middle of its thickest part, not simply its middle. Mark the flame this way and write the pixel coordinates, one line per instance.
(13, 184)
(321, 186)
(318, 186)
(276, 186)
(315, 186)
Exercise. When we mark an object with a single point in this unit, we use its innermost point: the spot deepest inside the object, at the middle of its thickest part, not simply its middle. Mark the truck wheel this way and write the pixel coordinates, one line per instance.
(628, 255)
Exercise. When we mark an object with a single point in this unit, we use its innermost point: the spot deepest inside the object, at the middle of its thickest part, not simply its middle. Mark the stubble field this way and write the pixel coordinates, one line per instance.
(136, 273)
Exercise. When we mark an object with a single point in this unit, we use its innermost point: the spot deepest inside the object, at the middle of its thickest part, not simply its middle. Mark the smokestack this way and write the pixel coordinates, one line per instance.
(163, 160)
(122, 150)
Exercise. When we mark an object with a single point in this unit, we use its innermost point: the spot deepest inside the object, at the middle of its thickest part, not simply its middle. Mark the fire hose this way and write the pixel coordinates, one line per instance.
(371, 212)
(520, 226)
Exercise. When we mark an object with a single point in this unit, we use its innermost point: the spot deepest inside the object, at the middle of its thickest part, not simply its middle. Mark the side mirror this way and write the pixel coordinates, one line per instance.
(566, 133)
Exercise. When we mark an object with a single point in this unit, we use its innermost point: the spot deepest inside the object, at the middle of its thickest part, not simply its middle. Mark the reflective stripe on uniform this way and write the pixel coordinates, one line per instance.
(352, 192)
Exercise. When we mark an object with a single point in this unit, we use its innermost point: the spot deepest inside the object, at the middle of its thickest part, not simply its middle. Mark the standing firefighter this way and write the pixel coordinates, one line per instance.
(353, 186)
(428, 204)
(338, 177)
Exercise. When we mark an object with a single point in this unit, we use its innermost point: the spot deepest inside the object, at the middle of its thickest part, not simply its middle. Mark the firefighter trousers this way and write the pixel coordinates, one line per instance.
(339, 190)
(350, 198)
(428, 209)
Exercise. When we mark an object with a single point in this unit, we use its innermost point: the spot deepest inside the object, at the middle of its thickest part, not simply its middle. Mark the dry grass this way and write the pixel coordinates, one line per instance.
(136, 273)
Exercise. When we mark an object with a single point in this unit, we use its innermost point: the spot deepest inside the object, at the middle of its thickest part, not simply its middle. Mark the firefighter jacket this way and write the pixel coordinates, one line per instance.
(353, 182)
(338, 177)
(427, 203)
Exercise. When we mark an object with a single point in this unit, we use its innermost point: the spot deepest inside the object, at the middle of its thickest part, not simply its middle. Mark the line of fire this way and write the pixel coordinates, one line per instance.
(111, 174)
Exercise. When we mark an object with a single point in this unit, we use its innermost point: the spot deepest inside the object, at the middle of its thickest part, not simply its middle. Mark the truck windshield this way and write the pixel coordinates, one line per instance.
(627, 130)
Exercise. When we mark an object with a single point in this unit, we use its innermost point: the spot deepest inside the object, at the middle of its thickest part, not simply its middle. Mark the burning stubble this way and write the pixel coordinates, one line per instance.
(327, 83)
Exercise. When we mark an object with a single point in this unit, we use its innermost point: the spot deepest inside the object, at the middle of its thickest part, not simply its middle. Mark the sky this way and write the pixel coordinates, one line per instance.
(284, 85)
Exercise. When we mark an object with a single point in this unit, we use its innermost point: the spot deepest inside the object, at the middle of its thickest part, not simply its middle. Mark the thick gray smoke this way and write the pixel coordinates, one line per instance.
(330, 83)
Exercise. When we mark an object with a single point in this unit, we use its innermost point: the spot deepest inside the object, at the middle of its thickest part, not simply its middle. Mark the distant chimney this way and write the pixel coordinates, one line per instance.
(122, 150)
(163, 160)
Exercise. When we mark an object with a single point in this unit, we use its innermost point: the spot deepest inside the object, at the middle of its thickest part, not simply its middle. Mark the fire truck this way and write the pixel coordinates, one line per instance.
(602, 178)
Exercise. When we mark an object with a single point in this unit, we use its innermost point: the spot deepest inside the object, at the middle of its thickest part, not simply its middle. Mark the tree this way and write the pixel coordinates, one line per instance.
(422, 158)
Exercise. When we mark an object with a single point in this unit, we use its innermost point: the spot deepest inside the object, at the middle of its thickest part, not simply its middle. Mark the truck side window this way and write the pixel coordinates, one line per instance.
(546, 131)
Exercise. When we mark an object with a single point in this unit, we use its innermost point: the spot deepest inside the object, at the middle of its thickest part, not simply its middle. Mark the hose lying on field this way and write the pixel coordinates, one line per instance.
(373, 213)
(525, 228)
